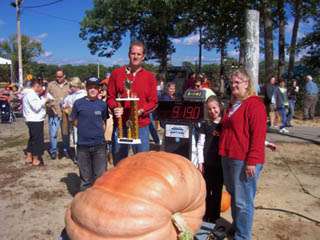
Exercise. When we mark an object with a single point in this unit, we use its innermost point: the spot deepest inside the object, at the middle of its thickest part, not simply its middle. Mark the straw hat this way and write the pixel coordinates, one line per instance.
(75, 82)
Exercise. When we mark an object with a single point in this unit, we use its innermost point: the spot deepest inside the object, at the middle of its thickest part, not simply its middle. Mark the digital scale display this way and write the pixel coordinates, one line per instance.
(186, 111)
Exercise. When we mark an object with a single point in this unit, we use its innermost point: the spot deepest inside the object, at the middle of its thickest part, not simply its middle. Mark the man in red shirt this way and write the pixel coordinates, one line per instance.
(144, 86)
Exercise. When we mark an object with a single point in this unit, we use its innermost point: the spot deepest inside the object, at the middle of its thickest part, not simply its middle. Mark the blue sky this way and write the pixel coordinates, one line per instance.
(61, 40)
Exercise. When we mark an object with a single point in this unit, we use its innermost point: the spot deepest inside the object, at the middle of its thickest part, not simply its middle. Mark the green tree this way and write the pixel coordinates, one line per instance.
(301, 10)
(151, 21)
(311, 42)
(31, 49)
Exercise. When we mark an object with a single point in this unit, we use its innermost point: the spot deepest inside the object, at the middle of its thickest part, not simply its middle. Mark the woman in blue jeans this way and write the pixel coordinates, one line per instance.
(241, 147)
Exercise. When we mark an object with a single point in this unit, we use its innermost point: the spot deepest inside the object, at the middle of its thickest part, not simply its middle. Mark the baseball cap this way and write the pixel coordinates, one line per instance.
(93, 81)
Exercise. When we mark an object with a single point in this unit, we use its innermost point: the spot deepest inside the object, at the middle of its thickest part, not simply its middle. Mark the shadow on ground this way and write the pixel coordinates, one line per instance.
(72, 181)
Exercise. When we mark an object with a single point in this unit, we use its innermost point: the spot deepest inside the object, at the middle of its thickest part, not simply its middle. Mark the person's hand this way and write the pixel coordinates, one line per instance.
(250, 170)
(200, 167)
(140, 112)
(67, 110)
(118, 112)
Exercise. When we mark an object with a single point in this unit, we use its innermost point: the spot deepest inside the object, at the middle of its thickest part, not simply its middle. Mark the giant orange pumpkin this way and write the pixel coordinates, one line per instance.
(146, 196)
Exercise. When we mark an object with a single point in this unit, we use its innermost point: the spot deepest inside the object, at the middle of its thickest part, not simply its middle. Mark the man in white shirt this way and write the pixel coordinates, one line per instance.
(34, 113)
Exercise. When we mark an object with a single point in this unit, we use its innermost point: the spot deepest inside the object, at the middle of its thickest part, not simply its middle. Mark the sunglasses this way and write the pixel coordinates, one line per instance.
(197, 86)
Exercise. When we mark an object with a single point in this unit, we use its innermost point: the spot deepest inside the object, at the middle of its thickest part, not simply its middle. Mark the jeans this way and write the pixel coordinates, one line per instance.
(54, 125)
(152, 129)
(242, 190)
(120, 151)
(309, 106)
(292, 104)
(92, 164)
(283, 114)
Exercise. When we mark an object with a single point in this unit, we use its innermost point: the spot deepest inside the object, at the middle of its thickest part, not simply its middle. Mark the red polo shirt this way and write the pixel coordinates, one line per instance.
(244, 132)
(144, 85)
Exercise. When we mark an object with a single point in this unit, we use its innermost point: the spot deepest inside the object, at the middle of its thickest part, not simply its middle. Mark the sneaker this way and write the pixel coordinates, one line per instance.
(283, 130)
(53, 156)
(66, 154)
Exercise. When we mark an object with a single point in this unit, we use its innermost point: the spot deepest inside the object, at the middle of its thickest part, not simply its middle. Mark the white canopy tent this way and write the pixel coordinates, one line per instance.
(4, 61)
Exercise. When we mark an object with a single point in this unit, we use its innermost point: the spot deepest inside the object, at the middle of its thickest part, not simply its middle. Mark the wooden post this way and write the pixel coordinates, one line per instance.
(251, 60)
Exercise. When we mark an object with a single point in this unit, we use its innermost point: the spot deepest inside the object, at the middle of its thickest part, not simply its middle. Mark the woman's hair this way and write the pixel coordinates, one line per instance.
(244, 76)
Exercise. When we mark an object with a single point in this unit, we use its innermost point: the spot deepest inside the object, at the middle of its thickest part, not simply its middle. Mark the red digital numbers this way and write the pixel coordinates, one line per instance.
(175, 113)
(185, 112)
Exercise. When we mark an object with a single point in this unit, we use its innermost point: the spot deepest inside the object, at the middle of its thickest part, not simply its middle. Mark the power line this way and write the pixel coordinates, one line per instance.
(43, 5)
(56, 17)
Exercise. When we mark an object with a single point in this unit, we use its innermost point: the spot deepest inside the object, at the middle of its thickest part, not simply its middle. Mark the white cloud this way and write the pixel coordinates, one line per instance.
(176, 40)
(119, 61)
(233, 53)
(42, 35)
(47, 54)
(191, 40)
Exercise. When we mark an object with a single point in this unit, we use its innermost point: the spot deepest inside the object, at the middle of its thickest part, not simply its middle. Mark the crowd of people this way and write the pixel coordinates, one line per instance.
(280, 100)
(229, 146)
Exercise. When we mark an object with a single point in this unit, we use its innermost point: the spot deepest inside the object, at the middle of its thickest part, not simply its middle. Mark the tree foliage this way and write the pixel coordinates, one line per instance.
(31, 48)
(311, 42)
(151, 21)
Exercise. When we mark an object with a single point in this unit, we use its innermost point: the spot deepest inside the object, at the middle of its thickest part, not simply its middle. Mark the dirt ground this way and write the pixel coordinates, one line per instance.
(33, 199)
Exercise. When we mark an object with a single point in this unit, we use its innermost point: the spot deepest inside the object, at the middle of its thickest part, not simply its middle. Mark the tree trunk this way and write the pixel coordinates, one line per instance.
(222, 69)
(281, 15)
(268, 38)
(293, 44)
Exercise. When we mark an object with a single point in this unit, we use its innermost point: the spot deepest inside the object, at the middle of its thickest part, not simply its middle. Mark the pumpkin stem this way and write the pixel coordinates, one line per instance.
(184, 232)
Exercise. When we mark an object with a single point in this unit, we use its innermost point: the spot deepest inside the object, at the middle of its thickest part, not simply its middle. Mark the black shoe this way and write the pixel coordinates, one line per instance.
(66, 154)
(53, 156)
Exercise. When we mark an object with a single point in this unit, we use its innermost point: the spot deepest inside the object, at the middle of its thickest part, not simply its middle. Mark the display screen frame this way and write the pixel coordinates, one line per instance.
(180, 111)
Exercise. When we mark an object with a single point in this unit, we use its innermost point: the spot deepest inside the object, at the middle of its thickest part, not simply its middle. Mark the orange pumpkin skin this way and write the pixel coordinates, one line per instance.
(137, 199)
(225, 201)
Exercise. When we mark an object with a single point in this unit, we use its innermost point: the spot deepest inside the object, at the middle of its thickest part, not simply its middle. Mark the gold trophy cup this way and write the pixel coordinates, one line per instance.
(131, 125)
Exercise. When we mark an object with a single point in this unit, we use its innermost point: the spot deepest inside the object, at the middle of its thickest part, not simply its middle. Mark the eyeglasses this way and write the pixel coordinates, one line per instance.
(197, 86)
(59, 76)
(237, 82)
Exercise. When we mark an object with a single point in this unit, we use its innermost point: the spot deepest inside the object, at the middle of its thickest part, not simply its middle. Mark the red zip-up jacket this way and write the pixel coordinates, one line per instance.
(244, 132)
(144, 85)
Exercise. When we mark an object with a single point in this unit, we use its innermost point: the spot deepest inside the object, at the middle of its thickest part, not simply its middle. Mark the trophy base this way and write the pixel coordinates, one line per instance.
(129, 141)
(127, 99)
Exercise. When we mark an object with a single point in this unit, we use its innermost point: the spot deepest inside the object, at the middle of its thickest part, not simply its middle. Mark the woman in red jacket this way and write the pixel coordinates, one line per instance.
(242, 149)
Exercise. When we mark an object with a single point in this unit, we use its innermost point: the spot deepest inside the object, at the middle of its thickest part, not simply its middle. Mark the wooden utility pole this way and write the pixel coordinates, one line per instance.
(98, 70)
(200, 50)
(252, 46)
(20, 69)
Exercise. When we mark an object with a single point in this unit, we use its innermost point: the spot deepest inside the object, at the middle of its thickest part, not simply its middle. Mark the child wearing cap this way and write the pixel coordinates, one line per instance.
(89, 114)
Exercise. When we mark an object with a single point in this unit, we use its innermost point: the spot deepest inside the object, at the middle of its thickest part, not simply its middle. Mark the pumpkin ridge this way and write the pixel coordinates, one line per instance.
(115, 235)
(130, 196)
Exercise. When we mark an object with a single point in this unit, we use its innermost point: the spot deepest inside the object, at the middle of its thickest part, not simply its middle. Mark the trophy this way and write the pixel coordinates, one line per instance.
(128, 132)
